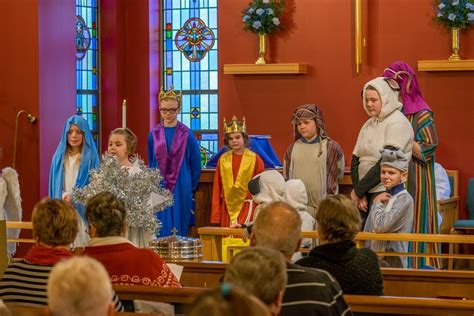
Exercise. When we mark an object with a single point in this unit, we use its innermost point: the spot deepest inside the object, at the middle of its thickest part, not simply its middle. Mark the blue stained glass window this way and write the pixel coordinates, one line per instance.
(190, 65)
(87, 64)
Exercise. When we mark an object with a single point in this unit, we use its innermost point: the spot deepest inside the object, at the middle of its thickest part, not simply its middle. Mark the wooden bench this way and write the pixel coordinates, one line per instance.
(449, 208)
(35, 311)
(358, 303)
(397, 282)
(211, 238)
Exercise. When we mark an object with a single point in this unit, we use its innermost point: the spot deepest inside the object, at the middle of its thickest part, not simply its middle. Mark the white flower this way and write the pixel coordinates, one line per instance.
(266, 1)
(245, 18)
(451, 16)
(441, 6)
(257, 25)
(470, 17)
(251, 10)
(455, 2)
(270, 11)
(470, 6)
(276, 21)
(260, 11)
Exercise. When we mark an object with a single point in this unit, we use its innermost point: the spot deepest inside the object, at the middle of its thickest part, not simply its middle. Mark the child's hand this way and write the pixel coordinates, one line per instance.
(382, 197)
(354, 197)
(66, 197)
(362, 204)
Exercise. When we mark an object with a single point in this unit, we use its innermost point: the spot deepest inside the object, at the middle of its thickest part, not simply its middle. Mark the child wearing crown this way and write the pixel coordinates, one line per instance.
(173, 149)
(231, 200)
(314, 158)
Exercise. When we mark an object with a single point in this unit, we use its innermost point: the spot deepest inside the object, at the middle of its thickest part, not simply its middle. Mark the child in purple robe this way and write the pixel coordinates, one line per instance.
(173, 149)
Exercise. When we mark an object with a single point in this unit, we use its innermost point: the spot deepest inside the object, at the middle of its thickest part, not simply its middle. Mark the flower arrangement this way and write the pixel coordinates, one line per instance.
(455, 13)
(263, 16)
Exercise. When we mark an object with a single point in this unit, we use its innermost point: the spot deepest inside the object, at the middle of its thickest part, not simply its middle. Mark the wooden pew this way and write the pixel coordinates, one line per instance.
(397, 282)
(35, 311)
(358, 303)
(211, 238)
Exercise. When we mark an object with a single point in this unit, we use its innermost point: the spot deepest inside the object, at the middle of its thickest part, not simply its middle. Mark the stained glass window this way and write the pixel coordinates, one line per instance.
(190, 65)
(87, 63)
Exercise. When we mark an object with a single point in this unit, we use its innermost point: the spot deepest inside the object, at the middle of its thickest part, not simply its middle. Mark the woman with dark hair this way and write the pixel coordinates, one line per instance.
(421, 177)
(356, 270)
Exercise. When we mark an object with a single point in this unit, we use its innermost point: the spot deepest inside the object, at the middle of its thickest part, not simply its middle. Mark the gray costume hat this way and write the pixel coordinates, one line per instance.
(394, 158)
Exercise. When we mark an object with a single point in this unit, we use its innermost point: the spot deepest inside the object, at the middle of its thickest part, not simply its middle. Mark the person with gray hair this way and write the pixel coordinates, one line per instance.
(309, 291)
(392, 211)
(80, 287)
(261, 272)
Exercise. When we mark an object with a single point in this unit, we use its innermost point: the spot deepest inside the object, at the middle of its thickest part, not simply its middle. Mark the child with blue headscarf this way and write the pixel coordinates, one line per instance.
(75, 156)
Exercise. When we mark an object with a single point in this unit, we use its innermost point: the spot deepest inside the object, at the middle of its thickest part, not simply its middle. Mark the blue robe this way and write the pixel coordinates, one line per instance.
(89, 160)
(181, 214)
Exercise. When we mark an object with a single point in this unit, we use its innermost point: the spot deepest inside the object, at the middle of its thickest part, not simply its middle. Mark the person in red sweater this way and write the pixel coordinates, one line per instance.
(125, 263)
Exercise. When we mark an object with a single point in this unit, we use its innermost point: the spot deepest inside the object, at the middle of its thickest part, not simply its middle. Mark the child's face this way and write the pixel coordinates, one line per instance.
(391, 177)
(373, 104)
(169, 110)
(75, 136)
(118, 146)
(236, 141)
(307, 128)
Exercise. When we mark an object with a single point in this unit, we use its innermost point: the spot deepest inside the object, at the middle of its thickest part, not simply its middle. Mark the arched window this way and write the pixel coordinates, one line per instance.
(87, 64)
(190, 65)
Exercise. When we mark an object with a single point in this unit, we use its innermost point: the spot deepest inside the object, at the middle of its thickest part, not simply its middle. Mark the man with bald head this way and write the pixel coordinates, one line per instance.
(309, 291)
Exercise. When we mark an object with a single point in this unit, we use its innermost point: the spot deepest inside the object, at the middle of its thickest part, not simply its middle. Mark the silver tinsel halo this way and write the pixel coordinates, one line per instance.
(141, 191)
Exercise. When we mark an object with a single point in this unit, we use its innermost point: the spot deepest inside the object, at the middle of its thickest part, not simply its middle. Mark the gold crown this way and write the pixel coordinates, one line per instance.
(170, 94)
(235, 126)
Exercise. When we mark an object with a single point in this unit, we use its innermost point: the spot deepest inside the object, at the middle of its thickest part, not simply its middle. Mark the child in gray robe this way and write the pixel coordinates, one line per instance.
(392, 211)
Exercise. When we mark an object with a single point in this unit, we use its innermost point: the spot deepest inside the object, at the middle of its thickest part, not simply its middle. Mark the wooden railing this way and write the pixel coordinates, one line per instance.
(397, 282)
(211, 238)
(358, 303)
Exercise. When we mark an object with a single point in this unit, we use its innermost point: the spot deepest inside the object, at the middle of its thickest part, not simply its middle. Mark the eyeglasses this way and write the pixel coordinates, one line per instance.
(169, 111)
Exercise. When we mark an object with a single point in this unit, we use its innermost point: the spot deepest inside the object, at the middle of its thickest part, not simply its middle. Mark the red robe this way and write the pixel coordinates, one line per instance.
(220, 214)
(129, 265)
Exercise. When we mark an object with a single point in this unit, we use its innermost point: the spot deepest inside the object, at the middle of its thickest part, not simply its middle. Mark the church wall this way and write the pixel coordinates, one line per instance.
(129, 65)
(37, 74)
(321, 36)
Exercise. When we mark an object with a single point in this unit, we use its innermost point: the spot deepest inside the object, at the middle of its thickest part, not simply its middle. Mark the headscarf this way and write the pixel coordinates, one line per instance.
(388, 97)
(413, 101)
(89, 158)
(309, 112)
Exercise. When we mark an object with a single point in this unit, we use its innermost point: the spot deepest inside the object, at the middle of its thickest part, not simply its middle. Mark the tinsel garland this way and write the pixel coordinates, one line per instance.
(135, 189)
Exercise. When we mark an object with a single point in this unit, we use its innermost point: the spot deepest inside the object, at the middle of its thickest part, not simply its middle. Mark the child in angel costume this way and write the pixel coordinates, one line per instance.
(123, 174)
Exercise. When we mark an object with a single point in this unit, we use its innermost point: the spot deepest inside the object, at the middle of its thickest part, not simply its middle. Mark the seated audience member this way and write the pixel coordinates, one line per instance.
(54, 229)
(125, 263)
(261, 272)
(80, 287)
(391, 211)
(356, 270)
(443, 187)
(309, 291)
(295, 195)
(227, 300)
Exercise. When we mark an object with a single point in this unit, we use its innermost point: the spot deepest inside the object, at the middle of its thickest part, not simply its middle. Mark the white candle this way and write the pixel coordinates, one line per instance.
(124, 113)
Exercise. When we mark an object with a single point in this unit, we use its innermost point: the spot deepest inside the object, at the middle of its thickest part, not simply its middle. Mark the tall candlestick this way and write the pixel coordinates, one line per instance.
(124, 113)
